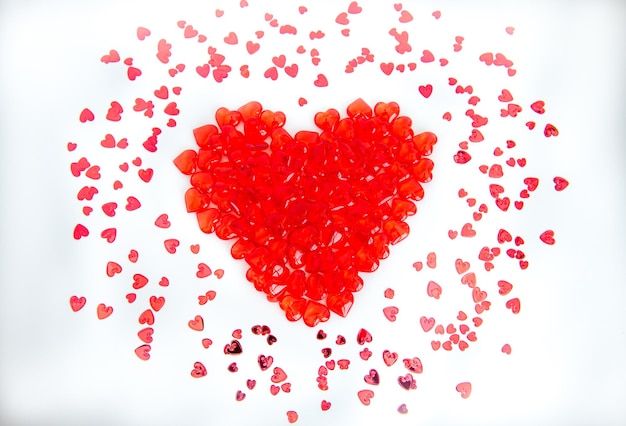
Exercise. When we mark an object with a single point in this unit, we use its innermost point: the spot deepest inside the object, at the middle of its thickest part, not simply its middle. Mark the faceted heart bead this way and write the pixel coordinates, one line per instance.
(314, 313)
(186, 160)
(203, 135)
(273, 120)
(327, 120)
(387, 112)
(310, 212)
(252, 109)
(359, 108)
(340, 303)
(225, 117)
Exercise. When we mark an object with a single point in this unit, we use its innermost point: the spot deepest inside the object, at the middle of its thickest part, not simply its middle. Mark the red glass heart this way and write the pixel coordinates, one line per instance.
(310, 212)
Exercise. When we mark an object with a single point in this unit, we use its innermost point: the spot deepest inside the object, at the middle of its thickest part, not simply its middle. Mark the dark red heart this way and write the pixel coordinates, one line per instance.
(308, 212)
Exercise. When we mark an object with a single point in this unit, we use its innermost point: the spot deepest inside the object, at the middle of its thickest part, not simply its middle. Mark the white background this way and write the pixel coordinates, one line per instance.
(60, 367)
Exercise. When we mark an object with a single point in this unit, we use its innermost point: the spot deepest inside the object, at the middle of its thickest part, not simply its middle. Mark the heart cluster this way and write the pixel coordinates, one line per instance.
(308, 212)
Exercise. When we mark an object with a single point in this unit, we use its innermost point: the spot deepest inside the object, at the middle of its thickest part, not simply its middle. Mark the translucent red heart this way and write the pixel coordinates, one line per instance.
(309, 212)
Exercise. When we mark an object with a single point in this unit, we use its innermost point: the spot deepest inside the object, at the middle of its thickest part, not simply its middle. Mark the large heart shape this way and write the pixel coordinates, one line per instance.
(308, 212)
